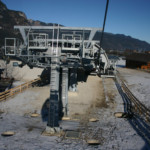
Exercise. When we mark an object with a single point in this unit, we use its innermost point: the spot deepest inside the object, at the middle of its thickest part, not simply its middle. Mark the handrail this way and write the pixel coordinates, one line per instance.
(137, 106)
(18, 89)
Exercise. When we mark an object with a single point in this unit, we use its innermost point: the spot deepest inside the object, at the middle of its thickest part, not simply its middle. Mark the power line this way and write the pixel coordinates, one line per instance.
(101, 39)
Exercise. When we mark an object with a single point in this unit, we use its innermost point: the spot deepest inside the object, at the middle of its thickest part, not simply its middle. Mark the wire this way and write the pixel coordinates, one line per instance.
(101, 39)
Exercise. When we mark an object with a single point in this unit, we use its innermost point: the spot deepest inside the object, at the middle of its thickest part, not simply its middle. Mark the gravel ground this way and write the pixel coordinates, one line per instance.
(112, 133)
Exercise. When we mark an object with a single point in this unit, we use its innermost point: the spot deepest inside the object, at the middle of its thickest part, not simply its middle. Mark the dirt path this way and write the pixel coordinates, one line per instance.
(89, 95)
(29, 101)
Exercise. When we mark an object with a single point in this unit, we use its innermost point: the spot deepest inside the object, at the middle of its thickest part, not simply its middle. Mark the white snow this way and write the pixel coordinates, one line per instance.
(139, 83)
(113, 133)
(17, 83)
(121, 62)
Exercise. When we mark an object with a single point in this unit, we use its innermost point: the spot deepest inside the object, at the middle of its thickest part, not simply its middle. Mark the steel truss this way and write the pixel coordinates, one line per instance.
(63, 49)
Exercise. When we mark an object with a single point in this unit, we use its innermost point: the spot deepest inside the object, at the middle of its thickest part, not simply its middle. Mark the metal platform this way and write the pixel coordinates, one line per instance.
(64, 50)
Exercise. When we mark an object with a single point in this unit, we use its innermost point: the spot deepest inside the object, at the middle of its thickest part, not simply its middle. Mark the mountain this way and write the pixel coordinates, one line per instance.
(122, 42)
(9, 18)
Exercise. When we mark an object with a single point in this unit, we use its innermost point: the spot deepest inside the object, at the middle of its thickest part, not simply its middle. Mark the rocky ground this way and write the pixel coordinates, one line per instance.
(96, 98)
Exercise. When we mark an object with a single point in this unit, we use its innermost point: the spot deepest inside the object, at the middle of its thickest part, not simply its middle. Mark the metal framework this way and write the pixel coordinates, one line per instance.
(63, 49)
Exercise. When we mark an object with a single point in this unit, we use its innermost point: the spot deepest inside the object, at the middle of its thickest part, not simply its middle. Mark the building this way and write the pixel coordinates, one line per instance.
(136, 60)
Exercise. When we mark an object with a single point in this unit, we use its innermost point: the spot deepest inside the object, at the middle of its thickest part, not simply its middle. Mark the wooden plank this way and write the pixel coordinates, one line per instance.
(17, 89)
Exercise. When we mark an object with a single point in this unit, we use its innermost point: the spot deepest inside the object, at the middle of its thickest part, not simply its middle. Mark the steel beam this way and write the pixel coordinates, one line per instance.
(92, 34)
(56, 27)
(64, 93)
(53, 116)
(24, 36)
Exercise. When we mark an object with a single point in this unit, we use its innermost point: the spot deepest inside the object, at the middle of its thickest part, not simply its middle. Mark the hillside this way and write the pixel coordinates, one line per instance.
(9, 18)
(122, 42)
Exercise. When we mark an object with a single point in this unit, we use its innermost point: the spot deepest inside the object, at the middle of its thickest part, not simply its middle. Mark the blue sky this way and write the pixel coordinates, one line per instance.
(129, 17)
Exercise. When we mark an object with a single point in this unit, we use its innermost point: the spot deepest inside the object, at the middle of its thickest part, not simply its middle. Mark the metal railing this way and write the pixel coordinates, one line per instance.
(137, 107)
(18, 89)
(136, 112)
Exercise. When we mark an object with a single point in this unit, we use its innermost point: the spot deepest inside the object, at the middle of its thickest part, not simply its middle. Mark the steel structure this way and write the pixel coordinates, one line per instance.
(63, 49)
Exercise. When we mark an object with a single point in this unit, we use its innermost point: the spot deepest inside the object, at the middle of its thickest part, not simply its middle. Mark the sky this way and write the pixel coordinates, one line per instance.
(129, 17)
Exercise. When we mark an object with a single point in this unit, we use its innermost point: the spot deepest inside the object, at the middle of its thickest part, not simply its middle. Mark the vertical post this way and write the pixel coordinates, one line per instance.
(6, 69)
(83, 46)
(64, 93)
(20, 88)
(11, 93)
(53, 116)
(73, 80)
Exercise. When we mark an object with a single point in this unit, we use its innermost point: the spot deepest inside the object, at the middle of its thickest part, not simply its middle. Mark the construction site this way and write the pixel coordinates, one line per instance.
(60, 90)
(67, 95)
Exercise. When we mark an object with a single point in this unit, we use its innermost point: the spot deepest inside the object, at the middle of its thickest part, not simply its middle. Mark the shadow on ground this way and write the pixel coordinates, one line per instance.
(139, 124)
(44, 111)
(45, 80)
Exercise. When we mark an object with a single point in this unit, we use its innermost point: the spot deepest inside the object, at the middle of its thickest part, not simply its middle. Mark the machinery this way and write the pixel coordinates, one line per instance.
(64, 50)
